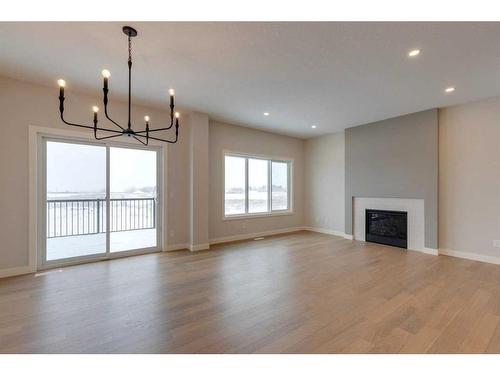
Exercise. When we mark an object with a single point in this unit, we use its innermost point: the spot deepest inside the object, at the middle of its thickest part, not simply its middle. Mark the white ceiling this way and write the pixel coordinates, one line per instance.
(333, 75)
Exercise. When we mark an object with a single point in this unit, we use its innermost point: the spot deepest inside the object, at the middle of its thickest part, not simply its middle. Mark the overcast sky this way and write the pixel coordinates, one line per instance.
(82, 168)
(257, 172)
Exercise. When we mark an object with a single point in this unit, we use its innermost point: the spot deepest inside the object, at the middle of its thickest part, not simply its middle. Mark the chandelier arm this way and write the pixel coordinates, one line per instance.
(144, 143)
(159, 139)
(105, 91)
(171, 117)
(107, 137)
(161, 129)
(157, 130)
(154, 130)
(61, 112)
(109, 118)
(88, 127)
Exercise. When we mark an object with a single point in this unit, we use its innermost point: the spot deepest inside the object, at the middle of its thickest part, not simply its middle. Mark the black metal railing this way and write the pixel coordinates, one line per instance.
(77, 217)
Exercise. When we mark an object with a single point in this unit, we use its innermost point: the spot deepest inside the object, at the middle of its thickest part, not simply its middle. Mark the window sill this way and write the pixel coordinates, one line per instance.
(257, 215)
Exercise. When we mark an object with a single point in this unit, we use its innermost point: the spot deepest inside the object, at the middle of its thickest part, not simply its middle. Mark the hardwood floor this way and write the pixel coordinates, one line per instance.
(298, 293)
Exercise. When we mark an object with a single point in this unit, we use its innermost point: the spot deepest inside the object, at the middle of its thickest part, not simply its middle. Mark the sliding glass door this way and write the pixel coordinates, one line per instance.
(75, 201)
(133, 199)
(99, 201)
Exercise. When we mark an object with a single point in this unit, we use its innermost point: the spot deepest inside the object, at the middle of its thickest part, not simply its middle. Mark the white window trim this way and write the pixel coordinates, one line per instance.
(36, 134)
(270, 212)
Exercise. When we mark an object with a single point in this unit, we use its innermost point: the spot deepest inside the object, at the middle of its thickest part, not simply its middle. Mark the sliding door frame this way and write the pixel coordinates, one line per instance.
(41, 208)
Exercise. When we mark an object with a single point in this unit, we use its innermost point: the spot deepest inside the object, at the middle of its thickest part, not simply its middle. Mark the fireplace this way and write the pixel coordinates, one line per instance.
(387, 227)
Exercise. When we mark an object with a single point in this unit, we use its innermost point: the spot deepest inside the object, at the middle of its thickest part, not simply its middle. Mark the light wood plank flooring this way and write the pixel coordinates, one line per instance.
(298, 293)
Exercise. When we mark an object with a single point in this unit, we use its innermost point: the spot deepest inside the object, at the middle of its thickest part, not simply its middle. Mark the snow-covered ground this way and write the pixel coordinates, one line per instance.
(74, 246)
(235, 202)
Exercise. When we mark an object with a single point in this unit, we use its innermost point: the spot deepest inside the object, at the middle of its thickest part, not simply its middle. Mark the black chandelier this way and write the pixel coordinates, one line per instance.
(142, 136)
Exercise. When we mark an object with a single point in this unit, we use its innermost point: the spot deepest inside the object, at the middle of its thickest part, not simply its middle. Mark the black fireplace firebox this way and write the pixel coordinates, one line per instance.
(387, 227)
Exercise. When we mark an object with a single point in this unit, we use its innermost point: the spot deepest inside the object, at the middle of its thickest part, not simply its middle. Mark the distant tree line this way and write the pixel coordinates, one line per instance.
(261, 189)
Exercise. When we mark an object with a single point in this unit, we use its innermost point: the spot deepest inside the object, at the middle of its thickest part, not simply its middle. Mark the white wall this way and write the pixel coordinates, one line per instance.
(325, 175)
(23, 104)
(469, 172)
(469, 178)
(199, 169)
(228, 137)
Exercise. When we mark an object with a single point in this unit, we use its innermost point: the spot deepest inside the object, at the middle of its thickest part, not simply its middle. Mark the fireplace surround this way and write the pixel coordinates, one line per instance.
(387, 227)
(415, 216)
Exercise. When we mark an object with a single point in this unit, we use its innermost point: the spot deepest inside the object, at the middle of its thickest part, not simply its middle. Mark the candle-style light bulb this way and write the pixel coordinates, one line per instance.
(106, 74)
(95, 109)
(146, 118)
(172, 94)
(62, 85)
(177, 115)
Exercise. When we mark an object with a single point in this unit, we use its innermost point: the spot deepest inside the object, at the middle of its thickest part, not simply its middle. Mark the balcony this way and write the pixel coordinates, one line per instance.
(77, 227)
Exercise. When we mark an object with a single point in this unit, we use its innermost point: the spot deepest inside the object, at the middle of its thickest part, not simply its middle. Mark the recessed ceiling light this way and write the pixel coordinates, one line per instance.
(266, 113)
(313, 126)
(449, 89)
(414, 52)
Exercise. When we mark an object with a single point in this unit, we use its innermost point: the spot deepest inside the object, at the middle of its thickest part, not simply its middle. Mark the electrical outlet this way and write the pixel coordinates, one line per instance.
(496, 243)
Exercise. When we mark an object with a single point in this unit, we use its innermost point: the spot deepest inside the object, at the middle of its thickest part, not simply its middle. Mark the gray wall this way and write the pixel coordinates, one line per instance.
(395, 158)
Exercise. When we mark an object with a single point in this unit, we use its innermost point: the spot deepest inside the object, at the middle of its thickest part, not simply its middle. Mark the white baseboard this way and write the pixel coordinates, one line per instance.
(425, 250)
(429, 250)
(179, 246)
(330, 231)
(202, 246)
(247, 236)
(470, 256)
(15, 271)
(325, 231)
(237, 237)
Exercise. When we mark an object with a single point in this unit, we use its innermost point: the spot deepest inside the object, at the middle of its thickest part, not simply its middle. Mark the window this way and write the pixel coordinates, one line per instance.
(255, 185)
(279, 187)
(235, 177)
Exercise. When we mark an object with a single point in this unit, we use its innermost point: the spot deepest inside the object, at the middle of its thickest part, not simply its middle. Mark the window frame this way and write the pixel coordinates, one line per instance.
(270, 211)
(41, 177)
